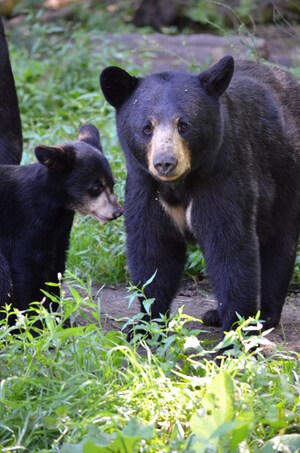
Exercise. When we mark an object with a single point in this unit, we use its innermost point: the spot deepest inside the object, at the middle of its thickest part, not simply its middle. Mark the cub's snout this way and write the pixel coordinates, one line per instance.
(106, 207)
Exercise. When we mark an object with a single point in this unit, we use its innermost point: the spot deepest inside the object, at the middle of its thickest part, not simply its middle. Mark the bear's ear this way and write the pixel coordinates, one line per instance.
(88, 133)
(117, 85)
(57, 158)
(215, 80)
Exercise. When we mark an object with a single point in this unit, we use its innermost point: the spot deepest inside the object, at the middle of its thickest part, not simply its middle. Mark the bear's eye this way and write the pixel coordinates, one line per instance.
(95, 189)
(148, 129)
(182, 126)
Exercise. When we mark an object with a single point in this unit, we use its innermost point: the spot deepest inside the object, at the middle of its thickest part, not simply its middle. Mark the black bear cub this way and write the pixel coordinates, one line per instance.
(212, 158)
(38, 202)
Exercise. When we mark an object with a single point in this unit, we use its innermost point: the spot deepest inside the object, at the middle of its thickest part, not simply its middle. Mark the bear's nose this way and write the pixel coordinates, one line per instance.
(165, 164)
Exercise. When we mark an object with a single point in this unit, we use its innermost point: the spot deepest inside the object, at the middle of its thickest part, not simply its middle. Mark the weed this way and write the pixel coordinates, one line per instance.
(79, 388)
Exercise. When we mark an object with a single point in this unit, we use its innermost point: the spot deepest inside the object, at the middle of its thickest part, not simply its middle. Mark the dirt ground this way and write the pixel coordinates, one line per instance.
(197, 299)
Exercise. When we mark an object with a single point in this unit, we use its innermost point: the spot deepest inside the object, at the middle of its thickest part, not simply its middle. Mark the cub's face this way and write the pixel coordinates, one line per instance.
(90, 185)
(171, 122)
(85, 176)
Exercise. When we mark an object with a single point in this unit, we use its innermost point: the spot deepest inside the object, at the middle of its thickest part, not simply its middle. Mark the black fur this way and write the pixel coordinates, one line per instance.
(11, 142)
(243, 183)
(38, 202)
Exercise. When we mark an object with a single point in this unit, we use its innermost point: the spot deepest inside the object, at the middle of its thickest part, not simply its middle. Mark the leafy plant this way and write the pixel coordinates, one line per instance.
(79, 388)
(223, 423)
(122, 441)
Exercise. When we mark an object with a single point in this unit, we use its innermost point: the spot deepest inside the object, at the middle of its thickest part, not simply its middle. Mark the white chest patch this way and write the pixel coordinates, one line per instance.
(180, 216)
(188, 216)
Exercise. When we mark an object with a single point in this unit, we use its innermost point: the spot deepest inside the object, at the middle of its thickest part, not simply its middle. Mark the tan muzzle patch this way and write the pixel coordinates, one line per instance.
(105, 207)
(168, 154)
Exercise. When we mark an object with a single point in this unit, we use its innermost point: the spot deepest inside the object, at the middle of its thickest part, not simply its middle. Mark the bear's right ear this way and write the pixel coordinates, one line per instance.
(117, 85)
(215, 80)
(88, 133)
(57, 158)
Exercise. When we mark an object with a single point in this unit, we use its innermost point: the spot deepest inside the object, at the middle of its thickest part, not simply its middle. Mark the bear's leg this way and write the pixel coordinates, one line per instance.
(212, 318)
(162, 255)
(235, 275)
(277, 263)
(153, 244)
(4, 283)
(11, 141)
(29, 274)
(26, 286)
(61, 247)
(227, 236)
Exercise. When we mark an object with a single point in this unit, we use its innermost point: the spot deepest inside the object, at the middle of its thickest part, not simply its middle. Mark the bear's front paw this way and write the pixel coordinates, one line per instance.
(270, 320)
(211, 318)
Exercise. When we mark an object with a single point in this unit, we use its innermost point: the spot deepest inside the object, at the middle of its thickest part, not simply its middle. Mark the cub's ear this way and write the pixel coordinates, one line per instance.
(117, 85)
(88, 133)
(215, 80)
(57, 158)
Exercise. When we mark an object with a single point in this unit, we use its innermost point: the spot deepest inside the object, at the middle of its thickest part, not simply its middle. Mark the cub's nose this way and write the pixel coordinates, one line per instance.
(165, 164)
(118, 211)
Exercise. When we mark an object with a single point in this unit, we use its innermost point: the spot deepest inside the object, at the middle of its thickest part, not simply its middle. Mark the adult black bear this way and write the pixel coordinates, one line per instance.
(37, 205)
(11, 142)
(213, 158)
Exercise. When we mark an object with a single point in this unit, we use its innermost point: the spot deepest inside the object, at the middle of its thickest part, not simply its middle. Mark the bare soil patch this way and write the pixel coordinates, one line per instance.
(197, 299)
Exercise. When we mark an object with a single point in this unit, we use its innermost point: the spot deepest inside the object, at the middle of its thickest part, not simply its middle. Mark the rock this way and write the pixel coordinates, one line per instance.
(182, 52)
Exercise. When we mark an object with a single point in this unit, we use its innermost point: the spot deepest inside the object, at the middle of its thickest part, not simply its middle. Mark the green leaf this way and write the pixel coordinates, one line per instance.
(286, 443)
(147, 305)
(124, 441)
(149, 281)
(50, 422)
(94, 442)
(91, 447)
(219, 422)
(203, 425)
(134, 428)
(66, 333)
(220, 400)
(113, 337)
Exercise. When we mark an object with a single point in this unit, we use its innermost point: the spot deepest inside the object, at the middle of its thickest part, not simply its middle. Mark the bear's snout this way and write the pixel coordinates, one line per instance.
(165, 164)
(167, 153)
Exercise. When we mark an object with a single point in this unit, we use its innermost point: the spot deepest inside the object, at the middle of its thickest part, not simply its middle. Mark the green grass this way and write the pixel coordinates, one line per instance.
(80, 389)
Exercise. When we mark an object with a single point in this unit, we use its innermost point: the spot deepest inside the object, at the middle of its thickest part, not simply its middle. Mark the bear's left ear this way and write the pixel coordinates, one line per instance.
(117, 85)
(57, 158)
(215, 80)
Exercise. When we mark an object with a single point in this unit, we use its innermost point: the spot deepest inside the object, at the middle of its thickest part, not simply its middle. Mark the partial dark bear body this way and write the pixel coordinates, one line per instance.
(11, 143)
(213, 158)
(38, 202)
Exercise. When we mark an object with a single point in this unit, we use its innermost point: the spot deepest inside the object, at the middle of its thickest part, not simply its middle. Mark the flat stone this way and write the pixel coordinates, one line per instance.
(183, 52)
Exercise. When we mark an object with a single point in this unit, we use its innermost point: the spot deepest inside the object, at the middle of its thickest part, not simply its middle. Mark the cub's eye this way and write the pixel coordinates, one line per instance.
(182, 126)
(95, 189)
(148, 129)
